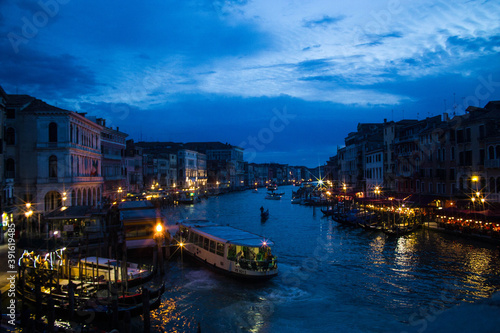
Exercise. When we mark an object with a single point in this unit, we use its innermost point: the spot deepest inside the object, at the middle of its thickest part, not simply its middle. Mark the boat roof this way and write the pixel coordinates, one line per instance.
(138, 215)
(226, 234)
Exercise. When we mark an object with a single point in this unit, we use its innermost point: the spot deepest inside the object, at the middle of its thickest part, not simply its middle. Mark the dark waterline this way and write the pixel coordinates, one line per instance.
(332, 277)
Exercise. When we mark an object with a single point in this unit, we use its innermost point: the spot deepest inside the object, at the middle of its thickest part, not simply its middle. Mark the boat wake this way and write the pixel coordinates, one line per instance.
(201, 280)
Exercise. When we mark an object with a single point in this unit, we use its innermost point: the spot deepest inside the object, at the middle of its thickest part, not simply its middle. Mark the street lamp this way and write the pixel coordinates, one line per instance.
(28, 214)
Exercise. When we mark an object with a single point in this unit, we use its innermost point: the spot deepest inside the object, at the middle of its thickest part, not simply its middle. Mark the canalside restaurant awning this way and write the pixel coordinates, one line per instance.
(72, 212)
(414, 200)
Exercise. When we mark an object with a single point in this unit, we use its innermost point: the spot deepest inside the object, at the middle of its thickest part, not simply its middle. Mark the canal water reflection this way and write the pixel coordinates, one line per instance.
(332, 277)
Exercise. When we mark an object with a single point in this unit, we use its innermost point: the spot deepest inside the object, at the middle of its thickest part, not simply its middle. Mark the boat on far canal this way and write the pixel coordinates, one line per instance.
(228, 250)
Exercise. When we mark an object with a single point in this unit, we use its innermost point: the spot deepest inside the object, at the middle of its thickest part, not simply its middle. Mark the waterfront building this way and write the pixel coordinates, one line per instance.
(113, 165)
(332, 170)
(437, 159)
(374, 170)
(190, 164)
(134, 169)
(390, 130)
(52, 156)
(352, 159)
(278, 173)
(412, 154)
(155, 167)
(257, 174)
(477, 149)
(224, 164)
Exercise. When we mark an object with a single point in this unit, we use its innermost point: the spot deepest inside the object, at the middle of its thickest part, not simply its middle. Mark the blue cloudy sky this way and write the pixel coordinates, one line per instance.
(286, 79)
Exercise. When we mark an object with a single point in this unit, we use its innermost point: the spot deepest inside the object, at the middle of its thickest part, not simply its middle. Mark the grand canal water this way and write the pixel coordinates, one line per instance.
(333, 278)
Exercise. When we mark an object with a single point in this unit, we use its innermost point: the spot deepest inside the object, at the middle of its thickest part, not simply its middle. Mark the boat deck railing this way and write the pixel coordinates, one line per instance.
(258, 265)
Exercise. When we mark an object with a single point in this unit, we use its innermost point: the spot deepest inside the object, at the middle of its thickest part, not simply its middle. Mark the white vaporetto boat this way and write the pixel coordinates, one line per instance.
(228, 250)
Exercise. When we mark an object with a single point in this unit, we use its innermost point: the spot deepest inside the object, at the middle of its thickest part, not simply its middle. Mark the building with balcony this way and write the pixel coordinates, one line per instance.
(52, 156)
(224, 163)
(113, 167)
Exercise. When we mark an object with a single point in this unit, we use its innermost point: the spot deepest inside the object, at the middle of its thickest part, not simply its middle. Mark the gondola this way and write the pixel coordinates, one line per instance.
(264, 215)
(93, 307)
(328, 212)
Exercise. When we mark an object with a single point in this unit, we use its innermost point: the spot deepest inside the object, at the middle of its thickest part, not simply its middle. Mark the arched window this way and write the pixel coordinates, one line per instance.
(52, 132)
(491, 153)
(10, 136)
(53, 166)
(10, 168)
(52, 200)
(492, 185)
(498, 185)
(497, 151)
(71, 133)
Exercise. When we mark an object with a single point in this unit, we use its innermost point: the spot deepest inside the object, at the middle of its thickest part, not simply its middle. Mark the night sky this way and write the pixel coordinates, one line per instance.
(287, 80)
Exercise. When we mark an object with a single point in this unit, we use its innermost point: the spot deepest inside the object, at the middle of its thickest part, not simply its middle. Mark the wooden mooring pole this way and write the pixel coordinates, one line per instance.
(145, 310)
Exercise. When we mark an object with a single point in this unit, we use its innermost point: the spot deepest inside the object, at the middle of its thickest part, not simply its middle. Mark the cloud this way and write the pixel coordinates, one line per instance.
(324, 21)
(54, 77)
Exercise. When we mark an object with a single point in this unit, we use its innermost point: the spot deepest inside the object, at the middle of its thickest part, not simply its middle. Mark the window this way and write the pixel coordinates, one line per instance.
(10, 136)
(481, 156)
(468, 158)
(11, 114)
(460, 136)
(10, 168)
(491, 153)
(52, 166)
(212, 246)
(481, 132)
(497, 151)
(52, 132)
(468, 137)
(220, 249)
(492, 185)
(430, 187)
(452, 154)
(452, 174)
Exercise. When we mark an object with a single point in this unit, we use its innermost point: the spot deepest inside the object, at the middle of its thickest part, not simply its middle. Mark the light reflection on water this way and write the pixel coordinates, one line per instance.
(332, 277)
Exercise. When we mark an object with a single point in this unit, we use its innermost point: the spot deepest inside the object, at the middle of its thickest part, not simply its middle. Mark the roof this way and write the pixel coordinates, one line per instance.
(39, 105)
(71, 212)
(19, 100)
(144, 204)
(3, 93)
(135, 215)
(227, 234)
